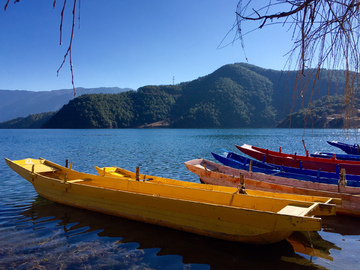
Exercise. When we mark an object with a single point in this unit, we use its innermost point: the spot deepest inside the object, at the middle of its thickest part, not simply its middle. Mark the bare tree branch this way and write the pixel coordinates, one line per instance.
(69, 50)
(324, 32)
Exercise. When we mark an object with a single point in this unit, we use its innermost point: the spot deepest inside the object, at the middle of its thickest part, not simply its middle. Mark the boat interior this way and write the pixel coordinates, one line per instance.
(182, 190)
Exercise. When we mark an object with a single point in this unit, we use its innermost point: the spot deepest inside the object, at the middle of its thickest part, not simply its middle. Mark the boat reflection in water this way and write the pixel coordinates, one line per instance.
(91, 238)
(341, 224)
(312, 244)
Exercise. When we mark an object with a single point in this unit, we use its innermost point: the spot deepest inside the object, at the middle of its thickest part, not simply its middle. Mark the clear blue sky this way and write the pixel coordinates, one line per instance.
(127, 43)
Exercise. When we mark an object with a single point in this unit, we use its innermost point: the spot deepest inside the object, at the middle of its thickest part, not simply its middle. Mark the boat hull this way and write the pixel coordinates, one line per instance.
(296, 161)
(120, 173)
(227, 176)
(347, 148)
(242, 163)
(153, 204)
(327, 155)
(165, 215)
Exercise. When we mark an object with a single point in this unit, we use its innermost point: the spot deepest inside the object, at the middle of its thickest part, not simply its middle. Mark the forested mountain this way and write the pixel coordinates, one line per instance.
(287, 96)
(124, 110)
(234, 96)
(327, 112)
(20, 103)
(231, 97)
(31, 121)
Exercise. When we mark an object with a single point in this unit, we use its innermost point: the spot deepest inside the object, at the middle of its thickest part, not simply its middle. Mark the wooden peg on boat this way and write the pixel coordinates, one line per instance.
(242, 180)
(242, 185)
(137, 173)
(67, 163)
(207, 173)
(250, 166)
(241, 188)
(342, 180)
(70, 165)
(33, 172)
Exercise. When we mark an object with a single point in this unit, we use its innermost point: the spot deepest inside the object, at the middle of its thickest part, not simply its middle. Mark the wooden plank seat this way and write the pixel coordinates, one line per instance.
(40, 168)
(296, 210)
(206, 167)
(78, 180)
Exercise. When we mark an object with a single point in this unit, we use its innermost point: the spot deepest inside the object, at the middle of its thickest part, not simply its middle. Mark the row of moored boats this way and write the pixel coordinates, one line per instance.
(242, 199)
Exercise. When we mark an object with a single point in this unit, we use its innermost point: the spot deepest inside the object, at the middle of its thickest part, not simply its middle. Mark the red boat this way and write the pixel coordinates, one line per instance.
(297, 161)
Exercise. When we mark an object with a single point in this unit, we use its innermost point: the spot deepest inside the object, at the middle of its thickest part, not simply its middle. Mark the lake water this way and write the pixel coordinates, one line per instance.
(38, 234)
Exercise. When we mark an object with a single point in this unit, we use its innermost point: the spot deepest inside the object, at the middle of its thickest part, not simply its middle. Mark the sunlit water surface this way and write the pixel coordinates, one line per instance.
(38, 234)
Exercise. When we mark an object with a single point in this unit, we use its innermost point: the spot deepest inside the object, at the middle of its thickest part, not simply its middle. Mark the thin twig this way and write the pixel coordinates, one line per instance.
(7, 3)
(61, 21)
(69, 50)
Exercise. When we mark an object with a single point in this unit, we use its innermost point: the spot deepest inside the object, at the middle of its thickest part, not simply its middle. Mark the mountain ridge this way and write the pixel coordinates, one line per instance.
(22, 103)
(233, 96)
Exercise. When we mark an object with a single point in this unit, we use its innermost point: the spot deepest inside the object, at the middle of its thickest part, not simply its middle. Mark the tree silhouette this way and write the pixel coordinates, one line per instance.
(325, 35)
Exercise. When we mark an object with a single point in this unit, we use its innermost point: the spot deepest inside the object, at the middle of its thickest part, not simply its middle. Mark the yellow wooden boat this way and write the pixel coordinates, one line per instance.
(214, 211)
(125, 174)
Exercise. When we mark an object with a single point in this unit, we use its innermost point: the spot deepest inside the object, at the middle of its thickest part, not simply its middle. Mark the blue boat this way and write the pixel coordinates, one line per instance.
(337, 156)
(351, 149)
(234, 160)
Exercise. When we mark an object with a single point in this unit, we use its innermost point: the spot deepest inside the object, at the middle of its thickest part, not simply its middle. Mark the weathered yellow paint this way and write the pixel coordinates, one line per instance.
(181, 205)
(260, 204)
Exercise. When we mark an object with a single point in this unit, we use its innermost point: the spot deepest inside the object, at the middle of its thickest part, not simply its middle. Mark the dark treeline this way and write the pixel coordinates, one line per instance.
(32, 121)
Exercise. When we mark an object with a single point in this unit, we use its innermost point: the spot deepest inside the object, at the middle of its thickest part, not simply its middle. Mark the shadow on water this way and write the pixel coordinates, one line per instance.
(75, 234)
(341, 224)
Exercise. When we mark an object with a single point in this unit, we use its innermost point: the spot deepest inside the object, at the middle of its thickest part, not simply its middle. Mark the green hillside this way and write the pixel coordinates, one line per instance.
(21, 103)
(287, 97)
(327, 112)
(231, 97)
(234, 96)
(31, 121)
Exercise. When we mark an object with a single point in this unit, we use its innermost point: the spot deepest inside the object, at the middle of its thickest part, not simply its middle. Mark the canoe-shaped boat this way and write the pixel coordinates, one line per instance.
(309, 243)
(333, 160)
(336, 156)
(122, 173)
(219, 212)
(236, 161)
(298, 161)
(216, 174)
(351, 149)
(257, 166)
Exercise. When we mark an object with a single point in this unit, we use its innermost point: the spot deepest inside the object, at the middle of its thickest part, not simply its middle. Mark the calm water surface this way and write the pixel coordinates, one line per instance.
(38, 234)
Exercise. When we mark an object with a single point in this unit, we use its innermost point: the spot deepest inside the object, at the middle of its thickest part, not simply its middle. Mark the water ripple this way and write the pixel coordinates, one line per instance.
(36, 233)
